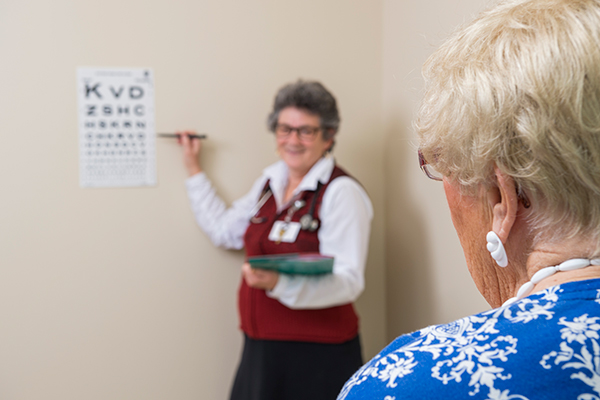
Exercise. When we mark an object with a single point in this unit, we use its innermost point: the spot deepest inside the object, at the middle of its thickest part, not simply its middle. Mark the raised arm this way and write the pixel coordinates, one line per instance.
(224, 226)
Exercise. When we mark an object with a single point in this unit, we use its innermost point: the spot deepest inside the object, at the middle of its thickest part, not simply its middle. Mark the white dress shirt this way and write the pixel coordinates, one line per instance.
(345, 215)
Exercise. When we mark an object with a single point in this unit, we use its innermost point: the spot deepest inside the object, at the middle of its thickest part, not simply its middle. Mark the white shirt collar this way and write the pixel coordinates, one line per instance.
(278, 175)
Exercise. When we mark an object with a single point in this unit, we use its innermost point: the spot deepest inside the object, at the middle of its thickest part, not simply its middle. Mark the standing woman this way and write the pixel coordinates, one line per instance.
(300, 332)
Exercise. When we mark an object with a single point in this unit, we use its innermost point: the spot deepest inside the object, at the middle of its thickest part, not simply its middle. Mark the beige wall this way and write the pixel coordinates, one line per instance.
(115, 293)
(427, 281)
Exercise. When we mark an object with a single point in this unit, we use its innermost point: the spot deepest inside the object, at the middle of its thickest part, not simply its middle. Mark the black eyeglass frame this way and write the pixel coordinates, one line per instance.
(305, 133)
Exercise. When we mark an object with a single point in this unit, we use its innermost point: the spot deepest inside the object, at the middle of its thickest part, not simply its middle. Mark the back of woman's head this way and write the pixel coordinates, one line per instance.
(520, 88)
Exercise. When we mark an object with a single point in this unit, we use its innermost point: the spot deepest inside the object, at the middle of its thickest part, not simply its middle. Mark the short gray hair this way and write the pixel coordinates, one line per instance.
(310, 96)
(519, 88)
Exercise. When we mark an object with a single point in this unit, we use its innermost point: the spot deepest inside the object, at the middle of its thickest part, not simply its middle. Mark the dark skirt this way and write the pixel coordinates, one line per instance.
(285, 370)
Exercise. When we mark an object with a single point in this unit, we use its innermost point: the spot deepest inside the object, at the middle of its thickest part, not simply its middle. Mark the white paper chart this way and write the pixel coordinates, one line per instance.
(117, 146)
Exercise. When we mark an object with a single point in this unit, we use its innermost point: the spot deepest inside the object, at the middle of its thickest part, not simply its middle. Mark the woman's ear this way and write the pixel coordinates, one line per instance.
(331, 135)
(504, 204)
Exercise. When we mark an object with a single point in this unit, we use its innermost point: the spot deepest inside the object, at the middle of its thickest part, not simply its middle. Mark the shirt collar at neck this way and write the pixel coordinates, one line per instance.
(278, 176)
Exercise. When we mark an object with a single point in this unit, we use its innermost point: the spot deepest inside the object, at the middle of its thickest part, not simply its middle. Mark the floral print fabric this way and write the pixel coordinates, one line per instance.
(545, 346)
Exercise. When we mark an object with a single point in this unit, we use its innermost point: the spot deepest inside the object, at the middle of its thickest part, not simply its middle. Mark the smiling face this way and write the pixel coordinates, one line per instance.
(300, 155)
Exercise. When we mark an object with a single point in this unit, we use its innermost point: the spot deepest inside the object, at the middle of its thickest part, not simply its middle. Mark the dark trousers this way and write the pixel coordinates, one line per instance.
(285, 370)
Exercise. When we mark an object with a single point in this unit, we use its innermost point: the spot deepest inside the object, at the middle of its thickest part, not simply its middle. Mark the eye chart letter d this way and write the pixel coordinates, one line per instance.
(117, 145)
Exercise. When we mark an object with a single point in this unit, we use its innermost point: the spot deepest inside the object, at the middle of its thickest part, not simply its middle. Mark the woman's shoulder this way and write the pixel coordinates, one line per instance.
(347, 190)
(542, 338)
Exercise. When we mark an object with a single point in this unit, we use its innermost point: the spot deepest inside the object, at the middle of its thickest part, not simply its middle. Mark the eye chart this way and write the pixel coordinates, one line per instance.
(116, 127)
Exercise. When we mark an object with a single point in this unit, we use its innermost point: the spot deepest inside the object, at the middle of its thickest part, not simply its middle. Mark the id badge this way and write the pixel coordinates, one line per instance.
(284, 232)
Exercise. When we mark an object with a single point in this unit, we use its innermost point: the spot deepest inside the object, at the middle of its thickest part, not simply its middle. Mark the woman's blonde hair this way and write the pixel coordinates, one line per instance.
(519, 88)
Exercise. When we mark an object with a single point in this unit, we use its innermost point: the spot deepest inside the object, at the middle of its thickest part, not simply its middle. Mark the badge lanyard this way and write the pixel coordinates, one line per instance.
(298, 204)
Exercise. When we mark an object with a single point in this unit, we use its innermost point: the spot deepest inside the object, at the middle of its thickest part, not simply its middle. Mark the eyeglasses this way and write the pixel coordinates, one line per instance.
(305, 133)
(431, 172)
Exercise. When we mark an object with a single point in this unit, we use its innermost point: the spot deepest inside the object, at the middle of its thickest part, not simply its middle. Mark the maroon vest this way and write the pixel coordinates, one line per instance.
(265, 318)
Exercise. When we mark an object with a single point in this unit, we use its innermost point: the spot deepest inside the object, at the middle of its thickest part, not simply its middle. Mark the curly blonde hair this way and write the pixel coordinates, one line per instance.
(519, 88)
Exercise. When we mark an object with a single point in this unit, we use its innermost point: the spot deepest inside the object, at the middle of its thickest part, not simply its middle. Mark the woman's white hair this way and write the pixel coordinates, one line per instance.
(519, 88)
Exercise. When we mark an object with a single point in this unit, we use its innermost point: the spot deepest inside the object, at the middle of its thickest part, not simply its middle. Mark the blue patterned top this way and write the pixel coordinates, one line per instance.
(545, 346)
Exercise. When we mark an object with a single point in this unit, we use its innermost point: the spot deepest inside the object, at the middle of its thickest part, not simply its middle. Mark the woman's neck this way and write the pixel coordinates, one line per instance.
(571, 270)
(293, 183)
(295, 176)
(545, 256)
